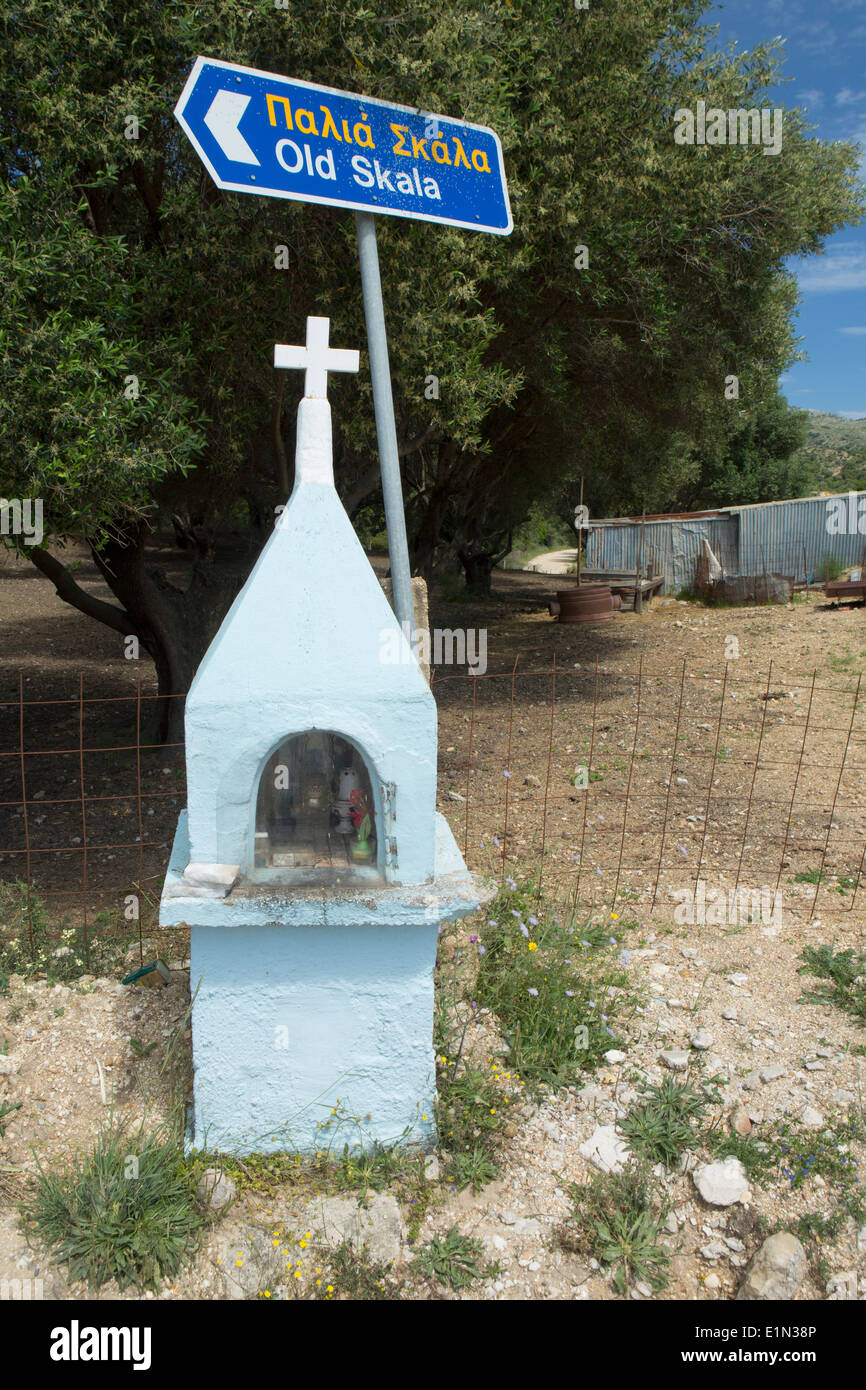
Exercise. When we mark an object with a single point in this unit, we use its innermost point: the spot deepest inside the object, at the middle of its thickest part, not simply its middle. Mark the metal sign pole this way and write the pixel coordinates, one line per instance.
(386, 430)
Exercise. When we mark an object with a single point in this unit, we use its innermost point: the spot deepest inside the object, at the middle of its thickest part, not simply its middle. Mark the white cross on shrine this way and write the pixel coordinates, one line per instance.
(317, 359)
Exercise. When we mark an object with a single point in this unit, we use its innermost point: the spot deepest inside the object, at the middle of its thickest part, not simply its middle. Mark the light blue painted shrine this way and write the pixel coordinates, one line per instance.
(311, 865)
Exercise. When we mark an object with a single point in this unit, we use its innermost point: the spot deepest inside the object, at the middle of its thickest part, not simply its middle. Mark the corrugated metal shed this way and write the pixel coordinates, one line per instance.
(793, 537)
(671, 544)
(790, 537)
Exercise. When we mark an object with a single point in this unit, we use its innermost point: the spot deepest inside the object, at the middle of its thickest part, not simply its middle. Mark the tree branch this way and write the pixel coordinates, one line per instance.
(71, 593)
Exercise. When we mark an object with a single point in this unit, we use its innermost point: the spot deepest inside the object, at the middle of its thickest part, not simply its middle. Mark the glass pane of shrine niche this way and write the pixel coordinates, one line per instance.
(315, 813)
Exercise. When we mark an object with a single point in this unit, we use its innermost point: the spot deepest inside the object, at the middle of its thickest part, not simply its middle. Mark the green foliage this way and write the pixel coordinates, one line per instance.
(758, 1157)
(555, 990)
(844, 973)
(829, 568)
(107, 1220)
(7, 1109)
(469, 1115)
(835, 452)
(666, 1122)
(455, 1261)
(542, 530)
(354, 1275)
(751, 456)
(31, 945)
(119, 257)
(615, 1221)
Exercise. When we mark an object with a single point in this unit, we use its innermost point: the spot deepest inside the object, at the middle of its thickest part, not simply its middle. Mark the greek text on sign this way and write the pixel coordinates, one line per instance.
(257, 132)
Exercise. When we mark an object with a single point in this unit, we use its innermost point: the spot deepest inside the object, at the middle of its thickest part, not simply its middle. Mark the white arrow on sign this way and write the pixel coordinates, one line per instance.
(222, 120)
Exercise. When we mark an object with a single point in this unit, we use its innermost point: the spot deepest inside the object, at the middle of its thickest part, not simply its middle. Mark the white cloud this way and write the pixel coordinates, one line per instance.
(847, 97)
(843, 268)
(811, 97)
(854, 331)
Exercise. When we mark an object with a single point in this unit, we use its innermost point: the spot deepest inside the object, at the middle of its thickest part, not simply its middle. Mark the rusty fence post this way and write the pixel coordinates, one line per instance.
(547, 779)
(671, 777)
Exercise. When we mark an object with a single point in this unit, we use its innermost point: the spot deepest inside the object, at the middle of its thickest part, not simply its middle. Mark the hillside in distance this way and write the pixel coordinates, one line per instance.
(835, 450)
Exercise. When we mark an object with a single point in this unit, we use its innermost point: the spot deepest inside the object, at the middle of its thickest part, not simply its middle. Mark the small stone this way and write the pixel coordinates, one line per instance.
(842, 1287)
(730, 1015)
(614, 1057)
(605, 1150)
(843, 1099)
(712, 1281)
(527, 1226)
(551, 1130)
(740, 1121)
(532, 780)
(10, 1066)
(702, 1040)
(811, 1118)
(671, 1225)
(777, 1271)
(431, 1168)
(676, 1061)
(738, 979)
(644, 1288)
(714, 1251)
(768, 1074)
(814, 1066)
(215, 1189)
(752, 1081)
(722, 1183)
(689, 952)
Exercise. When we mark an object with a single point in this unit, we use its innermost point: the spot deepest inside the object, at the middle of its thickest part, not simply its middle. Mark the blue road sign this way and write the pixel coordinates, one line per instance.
(257, 132)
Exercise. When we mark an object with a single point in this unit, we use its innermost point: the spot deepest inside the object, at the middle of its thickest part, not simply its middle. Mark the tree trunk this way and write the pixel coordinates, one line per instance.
(174, 626)
(478, 570)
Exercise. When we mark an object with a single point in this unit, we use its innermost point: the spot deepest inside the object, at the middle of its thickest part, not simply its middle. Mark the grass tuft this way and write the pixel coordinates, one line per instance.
(126, 1211)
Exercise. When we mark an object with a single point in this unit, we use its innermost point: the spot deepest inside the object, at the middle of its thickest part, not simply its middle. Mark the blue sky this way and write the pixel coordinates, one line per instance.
(825, 58)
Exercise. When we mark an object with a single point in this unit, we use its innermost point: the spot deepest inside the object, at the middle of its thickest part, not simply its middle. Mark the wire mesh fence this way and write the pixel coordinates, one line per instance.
(624, 789)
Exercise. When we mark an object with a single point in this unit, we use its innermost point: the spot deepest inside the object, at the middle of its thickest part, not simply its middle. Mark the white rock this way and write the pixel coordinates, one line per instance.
(714, 1251)
(614, 1057)
(431, 1168)
(215, 1189)
(777, 1271)
(811, 1118)
(376, 1227)
(702, 1040)
(10, 1066)
(842, 1287)
(676, 1061)
(211, 875)
(605, 1150)
(730, 1015)
(722, 1183)
(768, 1074)
(527, 1226)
